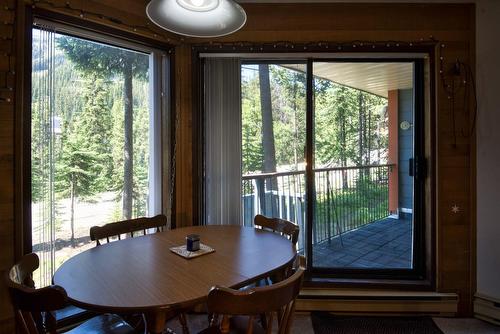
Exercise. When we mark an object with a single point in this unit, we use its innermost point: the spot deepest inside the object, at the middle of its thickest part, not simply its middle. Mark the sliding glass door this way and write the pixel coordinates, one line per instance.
(333, 146)
(363, 150)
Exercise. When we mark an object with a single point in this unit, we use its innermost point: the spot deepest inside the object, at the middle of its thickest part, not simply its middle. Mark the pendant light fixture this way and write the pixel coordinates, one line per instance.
(197, 18)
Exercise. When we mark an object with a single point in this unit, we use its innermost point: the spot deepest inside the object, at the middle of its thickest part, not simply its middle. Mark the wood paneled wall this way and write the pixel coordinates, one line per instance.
(127, 16)
(7, 98)
(452, 25)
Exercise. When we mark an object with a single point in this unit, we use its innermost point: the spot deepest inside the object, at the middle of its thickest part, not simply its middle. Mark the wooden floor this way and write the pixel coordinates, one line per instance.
(385, 243)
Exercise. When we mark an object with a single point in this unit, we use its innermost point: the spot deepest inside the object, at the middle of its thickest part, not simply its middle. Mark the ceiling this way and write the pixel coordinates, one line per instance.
(375, 78)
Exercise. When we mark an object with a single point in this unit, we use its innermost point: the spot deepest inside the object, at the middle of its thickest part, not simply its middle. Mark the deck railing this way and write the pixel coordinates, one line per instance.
(346, 198)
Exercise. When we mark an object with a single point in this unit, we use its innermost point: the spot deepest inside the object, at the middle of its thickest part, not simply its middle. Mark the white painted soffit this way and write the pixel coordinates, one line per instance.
(375, 78)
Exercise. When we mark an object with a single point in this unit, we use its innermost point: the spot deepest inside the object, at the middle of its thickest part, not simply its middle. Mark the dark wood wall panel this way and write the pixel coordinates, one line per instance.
(12, 31)
(452, 25)
(7, 99)
(184, 134)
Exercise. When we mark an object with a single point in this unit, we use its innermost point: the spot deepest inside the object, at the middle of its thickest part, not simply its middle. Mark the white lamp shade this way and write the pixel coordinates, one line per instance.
(182, 17)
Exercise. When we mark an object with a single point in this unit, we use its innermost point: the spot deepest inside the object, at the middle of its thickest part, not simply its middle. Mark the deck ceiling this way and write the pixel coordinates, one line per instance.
(375, 78)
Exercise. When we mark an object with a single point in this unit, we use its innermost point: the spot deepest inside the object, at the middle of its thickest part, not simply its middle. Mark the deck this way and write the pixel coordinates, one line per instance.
(385, 243)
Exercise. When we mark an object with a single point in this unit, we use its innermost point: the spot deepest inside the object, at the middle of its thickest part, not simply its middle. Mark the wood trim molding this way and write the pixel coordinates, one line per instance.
(101, 28)
(128, 19)
(22, 128)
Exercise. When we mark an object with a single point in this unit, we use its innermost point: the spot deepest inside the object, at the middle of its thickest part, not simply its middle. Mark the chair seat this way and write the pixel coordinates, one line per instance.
(104, 324)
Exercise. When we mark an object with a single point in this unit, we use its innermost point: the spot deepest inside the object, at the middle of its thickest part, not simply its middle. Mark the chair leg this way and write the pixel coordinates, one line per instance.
(263, 320)
(213, 319)
(224, 326)
(145, 323)
(183, 321)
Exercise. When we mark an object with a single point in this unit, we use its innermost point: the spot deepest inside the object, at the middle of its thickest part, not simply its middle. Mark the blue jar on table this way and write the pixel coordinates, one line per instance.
(193, 242)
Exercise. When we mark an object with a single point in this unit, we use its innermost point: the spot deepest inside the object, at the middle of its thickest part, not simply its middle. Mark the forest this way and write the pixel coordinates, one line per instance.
(350, 141)
(90, 124)
(350, 127)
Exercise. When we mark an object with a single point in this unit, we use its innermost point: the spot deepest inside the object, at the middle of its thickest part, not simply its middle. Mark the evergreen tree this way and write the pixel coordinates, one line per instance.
(85, 163)
(141, 153)
(347, 127)
(106, 62)
(77, 169)
(94, 123)
(252, 155)
(289, 110)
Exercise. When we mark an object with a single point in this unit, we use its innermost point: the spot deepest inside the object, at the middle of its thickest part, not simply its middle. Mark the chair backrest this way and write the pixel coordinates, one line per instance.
(29, 302)
(284, 227)
(277, 299)
(127, 227)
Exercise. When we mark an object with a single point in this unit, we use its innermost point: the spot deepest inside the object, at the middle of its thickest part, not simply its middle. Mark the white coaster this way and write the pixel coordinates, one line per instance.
(182, 251)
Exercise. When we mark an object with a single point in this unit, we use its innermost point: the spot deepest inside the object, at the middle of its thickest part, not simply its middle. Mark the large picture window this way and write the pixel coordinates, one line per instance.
(95, 139)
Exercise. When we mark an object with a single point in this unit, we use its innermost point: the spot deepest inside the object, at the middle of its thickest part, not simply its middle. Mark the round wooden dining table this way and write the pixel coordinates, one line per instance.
(142, 275)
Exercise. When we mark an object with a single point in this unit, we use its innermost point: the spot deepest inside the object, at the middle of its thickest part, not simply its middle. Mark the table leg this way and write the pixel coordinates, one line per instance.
(156, 322)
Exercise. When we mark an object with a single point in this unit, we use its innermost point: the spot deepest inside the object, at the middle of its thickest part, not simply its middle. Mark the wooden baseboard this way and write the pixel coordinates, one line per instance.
(487, 309)
(378, 302)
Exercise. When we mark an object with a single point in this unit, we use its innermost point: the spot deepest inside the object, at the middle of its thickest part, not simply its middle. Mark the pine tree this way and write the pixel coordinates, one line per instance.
(106, 62)
(84, 165)
(95, 124)
(289, 109)
(252, 153)
(77, 170)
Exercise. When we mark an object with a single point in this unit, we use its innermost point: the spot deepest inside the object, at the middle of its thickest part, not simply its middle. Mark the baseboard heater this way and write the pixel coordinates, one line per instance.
(487, 308)
(378, 302)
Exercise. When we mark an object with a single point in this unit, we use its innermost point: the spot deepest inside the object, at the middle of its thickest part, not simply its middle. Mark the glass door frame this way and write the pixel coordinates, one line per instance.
(423, 271)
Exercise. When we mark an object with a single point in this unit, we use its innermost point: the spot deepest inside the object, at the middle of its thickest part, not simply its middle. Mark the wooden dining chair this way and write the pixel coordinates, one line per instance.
(61, 319)
(238, 311)
(283, 227)
(32, 306)
(129, 228)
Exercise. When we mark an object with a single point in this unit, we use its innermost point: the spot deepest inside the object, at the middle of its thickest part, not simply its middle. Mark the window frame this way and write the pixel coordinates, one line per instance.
(422, 276)
(161, 126)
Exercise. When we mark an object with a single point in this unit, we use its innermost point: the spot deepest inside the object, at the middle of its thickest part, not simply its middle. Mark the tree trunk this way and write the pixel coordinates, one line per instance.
(267, 133)
(369, 138)
(72, 211)
(267, 120)
(361, 136)
(343, 153)
(295, 130)
(128, 153)
(360, 130)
